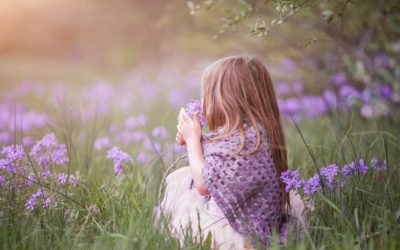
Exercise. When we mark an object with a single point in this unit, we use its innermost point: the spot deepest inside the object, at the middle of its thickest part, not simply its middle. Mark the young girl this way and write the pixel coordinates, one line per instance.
(232, 188)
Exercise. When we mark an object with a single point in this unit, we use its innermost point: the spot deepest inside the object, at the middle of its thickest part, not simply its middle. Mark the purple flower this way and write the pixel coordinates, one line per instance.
(150, 145)
(31, 179)
(132, 122)
(63, 178)
(177, 97)
(329, 172)
(349, 93)
(2, 180)
(27, 141)
(386, 91)
(160, 132)
(195, 106)
(143, 157)
(47, 150)
(36, 198)
(354, 168)
(119, 158)
(330, 98)
(59, 157)
(102, 143)
(283, 88)
(291, 179)
(298, 88)
(339, 79)
(378, 165)
(13, 155)
(311, 185)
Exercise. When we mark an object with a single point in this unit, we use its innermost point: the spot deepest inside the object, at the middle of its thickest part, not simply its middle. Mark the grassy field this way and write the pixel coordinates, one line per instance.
(104, 210)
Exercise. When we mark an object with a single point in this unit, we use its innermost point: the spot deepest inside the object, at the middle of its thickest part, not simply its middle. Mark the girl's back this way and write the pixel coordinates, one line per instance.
(245, 186)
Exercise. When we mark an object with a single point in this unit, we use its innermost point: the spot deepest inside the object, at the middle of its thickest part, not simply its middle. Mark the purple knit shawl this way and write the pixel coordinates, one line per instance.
(245, 187)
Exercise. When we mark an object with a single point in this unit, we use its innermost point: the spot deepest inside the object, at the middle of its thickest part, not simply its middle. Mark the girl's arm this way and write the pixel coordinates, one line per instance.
(189, 133)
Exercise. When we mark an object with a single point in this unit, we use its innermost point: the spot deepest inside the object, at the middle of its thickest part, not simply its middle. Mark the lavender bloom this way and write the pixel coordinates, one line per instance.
(11, 162)
(177, 97)
(102, 143)
(59, 157)
(283, 88)
(378, 165)
(330, 98)
(160, 132)
(31, 179)
(298, 88)
(329, 172)
(27, 141)
(148, 144)
(339, 79)
(349, 93)
(386, 91)
(312, 185)
(354, 168)
(195, 106)
(290, 179)
(143, 157)
(63, 178)
(119, 158)
(2, 180)
(132, 122)
(35, 199)
(47, 150)
(5, 137)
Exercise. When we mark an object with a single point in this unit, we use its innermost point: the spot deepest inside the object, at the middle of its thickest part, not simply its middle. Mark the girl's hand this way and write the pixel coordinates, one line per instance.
(189, 129)
(179, 139)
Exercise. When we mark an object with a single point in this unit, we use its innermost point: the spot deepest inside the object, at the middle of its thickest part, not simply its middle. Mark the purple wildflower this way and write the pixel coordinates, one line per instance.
(195, 106)
(36, 198)
(102, 143)
(119, 158)
(132, 122)
(298, 88)
(386, 91)
(63, 178)
(2, 180)
(378, 165)
(291, 179)
(283, 88)
(143, 157)
(150, 145)
(354, 168)
(160, 132)
(31, 179)
(339, 79)
(47, 150)
(177, 97)
(13, 155)
(329, 172)
(311, 185)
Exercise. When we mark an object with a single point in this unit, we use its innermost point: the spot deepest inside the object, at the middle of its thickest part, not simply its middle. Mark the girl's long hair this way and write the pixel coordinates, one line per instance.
(236, 89)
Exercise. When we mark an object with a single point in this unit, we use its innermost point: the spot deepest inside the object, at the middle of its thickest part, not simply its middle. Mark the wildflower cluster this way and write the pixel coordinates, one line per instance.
(330, 176)
(20, 170)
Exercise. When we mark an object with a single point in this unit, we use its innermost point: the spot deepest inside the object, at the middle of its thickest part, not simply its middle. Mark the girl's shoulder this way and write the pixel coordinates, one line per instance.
(232, 142)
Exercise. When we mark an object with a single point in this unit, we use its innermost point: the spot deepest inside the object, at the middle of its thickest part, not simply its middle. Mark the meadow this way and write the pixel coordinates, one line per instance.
(90, 93)
(88, 173)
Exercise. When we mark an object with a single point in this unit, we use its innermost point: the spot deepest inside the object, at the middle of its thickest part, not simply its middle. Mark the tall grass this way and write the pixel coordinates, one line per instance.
(116, 212)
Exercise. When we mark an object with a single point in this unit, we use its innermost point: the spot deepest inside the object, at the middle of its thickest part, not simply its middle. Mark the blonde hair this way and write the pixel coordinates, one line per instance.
(237, 89)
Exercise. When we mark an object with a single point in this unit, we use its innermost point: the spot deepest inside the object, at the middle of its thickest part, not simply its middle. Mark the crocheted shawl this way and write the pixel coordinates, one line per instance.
(245, 187)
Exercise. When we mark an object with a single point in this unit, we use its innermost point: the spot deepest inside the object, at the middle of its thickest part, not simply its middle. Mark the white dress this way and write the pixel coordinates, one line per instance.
(186, 206)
